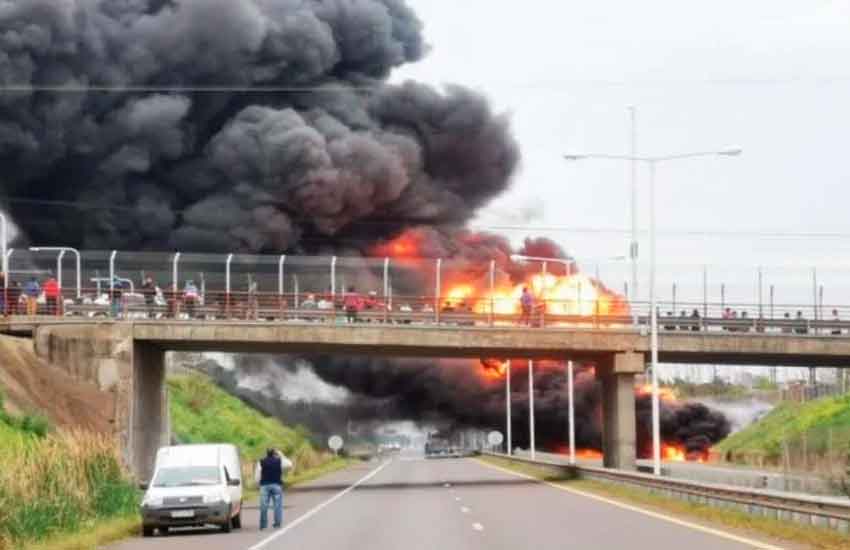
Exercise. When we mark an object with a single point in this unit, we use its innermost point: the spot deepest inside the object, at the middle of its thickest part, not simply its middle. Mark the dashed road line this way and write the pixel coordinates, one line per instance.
(477, 526)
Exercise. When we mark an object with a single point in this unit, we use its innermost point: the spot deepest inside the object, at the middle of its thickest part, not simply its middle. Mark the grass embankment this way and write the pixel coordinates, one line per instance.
(739, 523)
(201, 412)
(822, 426)
(67, 491)
(53, 484)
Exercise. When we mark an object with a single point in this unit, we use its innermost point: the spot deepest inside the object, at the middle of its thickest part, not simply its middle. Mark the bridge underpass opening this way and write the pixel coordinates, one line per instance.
(357, 396)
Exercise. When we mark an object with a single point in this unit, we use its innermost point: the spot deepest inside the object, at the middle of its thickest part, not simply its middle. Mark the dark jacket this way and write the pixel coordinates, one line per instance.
(271, 471)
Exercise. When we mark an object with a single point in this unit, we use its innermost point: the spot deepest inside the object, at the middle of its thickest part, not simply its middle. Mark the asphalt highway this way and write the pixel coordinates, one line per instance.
(446, 504)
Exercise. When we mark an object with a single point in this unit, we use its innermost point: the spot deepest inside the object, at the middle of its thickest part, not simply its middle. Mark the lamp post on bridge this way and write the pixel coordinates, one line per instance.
(652, 162)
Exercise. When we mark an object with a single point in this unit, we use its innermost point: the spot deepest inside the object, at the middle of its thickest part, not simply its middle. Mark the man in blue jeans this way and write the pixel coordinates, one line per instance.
(271, 470)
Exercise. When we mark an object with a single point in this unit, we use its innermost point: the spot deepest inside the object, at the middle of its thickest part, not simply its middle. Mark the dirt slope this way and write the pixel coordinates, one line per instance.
(32, 386)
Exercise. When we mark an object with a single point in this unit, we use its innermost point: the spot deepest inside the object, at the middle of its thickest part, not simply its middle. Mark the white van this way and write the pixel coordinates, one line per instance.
(194, 485)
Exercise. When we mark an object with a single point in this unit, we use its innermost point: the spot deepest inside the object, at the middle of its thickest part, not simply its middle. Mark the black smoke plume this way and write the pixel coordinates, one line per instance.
(257, 126)
(462, 393)
(233, 126)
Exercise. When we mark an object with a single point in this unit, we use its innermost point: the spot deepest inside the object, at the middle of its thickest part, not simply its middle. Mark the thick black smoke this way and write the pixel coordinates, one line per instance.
(306, 148)
(461, 391)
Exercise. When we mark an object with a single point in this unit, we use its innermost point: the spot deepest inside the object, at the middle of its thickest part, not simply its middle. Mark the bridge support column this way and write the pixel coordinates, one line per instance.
(150, 415)
(618, 409)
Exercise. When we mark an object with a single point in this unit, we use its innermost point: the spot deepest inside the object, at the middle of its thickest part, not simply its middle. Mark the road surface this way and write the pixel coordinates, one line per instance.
(444, 504)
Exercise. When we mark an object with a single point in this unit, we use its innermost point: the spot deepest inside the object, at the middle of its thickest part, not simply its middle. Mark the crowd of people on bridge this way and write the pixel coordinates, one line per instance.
(45, 297)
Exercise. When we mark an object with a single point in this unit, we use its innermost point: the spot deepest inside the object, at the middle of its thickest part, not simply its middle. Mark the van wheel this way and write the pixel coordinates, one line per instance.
(225, 527)
(163, 531)
(147, 531)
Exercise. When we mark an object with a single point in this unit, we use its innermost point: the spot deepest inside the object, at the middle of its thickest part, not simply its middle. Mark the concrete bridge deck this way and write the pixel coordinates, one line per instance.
(736, 348)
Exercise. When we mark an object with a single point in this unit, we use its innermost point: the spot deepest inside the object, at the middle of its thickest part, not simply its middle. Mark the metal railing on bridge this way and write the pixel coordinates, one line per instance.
(404, 291)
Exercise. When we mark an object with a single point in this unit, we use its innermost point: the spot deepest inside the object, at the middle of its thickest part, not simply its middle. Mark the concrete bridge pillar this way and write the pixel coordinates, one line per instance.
(133, 372)
(149, 428)
(619, 430)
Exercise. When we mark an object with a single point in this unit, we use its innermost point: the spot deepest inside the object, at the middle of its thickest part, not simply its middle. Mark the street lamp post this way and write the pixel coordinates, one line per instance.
(508, 407)
(571, 412)
(531, 408)
(653, 162)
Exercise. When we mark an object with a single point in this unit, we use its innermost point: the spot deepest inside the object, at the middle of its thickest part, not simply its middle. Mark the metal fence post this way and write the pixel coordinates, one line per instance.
(815, 293)
(333, 289)
(761, 292)
(438, 290)
(492, 290)
(386, 290)
(772, 293)
(544, 270)
(722, 297)
(227, 284)
(297, 292)
(175, 283)
(674, 298)
(705, 291)
(281, 266)
(112, 307)
(60, 300)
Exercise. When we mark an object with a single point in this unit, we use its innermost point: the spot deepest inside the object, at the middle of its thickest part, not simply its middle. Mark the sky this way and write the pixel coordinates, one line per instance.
(771, 78)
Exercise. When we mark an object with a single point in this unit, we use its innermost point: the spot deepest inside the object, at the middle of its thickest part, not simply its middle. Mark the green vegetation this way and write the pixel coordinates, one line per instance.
(822, 426)
(57, 483)
(718, 388)
(68, 490)
(201, 412)
(741, 523)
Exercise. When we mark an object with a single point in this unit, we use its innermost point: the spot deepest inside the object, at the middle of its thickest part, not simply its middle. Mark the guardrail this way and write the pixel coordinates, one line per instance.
(432, 311)
(832, 513)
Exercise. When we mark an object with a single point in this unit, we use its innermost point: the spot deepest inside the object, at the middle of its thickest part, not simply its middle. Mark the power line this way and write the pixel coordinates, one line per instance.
(542, 229)
(328, 88)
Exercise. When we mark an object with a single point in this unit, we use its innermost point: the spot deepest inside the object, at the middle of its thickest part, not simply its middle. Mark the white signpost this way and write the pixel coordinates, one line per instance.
(335, 442)
(495, 438)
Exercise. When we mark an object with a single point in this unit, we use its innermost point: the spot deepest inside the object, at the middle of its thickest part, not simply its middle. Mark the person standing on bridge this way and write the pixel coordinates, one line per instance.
(269, 474)
(353, 303)
(32, 290)
(52, 294)
(149, 292)
(526, 302)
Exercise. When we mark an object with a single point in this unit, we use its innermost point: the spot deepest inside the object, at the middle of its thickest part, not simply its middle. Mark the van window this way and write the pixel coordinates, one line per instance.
(182, 476)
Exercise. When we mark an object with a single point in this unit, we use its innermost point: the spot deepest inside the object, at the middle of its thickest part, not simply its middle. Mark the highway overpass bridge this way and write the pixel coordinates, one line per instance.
(128, 358)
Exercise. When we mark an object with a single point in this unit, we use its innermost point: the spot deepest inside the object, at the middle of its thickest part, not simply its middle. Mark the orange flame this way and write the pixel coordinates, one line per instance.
(673, 453)
(666, 394)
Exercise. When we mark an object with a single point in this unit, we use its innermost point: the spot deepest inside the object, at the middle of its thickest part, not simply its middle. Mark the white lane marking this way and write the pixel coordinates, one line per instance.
(263, 543)
(656, 515)
(457, 499)
(447, 485)
(464, 509)
(477, 526)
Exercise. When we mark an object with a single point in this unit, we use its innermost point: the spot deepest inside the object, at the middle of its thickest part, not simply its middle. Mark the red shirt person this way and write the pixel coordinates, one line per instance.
(51, 295)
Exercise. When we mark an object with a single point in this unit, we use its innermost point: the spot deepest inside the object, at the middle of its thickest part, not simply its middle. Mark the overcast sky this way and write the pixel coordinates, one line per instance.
(771, 77)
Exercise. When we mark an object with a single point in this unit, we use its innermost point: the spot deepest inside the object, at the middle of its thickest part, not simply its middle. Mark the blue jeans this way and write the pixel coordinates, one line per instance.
(271, 492)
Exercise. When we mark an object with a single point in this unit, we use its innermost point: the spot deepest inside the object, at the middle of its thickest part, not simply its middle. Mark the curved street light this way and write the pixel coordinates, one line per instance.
(652, 161)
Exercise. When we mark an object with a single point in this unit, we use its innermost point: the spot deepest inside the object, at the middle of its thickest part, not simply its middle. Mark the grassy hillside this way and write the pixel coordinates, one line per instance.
(825, 423)
(201, 412)
(57, 483)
